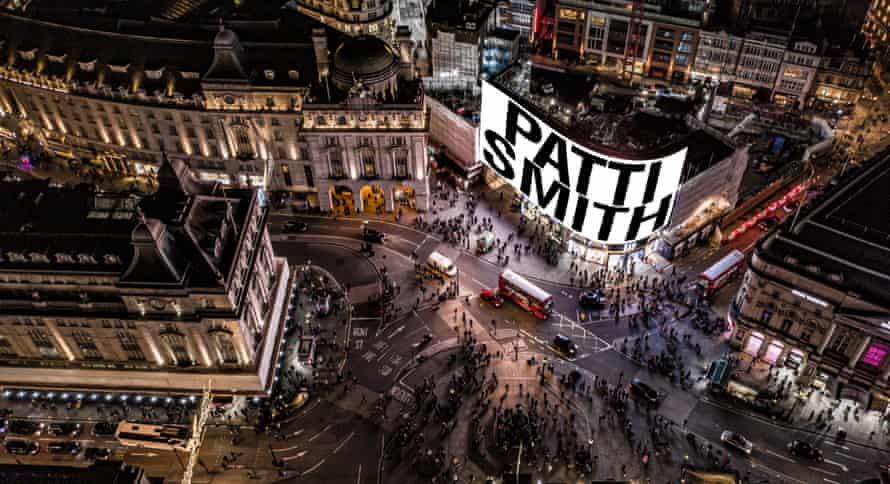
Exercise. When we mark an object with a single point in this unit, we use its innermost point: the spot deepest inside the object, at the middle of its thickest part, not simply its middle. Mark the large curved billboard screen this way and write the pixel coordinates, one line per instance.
(605, 198)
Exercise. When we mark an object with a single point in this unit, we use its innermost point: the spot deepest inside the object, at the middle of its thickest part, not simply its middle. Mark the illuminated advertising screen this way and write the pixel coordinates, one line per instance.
(604, 198)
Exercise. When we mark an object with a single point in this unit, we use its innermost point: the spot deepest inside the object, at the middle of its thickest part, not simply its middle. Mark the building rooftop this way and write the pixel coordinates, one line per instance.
(466, 19)
(593, 112)
(843, 238)
(155, 56)
(185, 234)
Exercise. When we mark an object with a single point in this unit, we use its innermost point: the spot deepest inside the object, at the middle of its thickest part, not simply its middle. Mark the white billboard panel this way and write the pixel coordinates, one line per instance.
(608, 199)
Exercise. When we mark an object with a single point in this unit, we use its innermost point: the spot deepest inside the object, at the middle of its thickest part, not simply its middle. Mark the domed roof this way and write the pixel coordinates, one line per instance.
(364, 56)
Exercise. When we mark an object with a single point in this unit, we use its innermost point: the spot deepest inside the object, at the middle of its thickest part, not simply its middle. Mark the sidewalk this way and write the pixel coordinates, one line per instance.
(317, 333)
(505, 222)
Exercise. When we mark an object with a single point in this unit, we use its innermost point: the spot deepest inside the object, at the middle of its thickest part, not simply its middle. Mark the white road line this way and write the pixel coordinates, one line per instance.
(780, 456)
(347, 439)
(843, 467)
(848, 456)
(829, 480)
(285, 449)
(319, 434)
(295, 456)
(358, 478)
(477, 282)
(837, 445)
(755, 464)
(832, 474)
(296, 433)
(312, 469)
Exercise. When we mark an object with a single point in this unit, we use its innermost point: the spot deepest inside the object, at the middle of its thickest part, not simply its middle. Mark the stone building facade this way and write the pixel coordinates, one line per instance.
(243, 113)
(815, 298)
(164, 294)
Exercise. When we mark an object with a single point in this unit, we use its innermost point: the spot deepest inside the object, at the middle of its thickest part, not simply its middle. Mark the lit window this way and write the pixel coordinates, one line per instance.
(874, 355)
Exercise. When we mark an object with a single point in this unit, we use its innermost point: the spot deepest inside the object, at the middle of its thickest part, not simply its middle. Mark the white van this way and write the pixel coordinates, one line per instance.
(440, 264)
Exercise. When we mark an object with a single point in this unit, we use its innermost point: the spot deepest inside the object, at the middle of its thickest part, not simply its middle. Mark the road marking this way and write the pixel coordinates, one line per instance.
(397, 331)
(848, 456)
(295, 456)
(294, 434)
(285, 449)
(477, 282)
(319, 434)
(358, 478)
(837, 445)
(843, 467)
(312, 469)
(347, 439)
(829, 480)
(832, 474)
(780, 456)
(755, 465)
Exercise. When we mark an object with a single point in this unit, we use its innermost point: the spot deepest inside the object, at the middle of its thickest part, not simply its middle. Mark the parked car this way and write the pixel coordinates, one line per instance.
(64, 447)
(737, 441)
(294, 226)
(592, 300)
(94, 453)
(63, 429)
(491, 297)
(804, 449)
(24, 428)
(643, 391)
(564, 345)
(104, 429)
(22, 447)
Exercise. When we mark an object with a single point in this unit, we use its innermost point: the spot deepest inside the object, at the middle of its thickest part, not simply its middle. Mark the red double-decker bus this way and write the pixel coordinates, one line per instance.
(527, 295)
(720, 273)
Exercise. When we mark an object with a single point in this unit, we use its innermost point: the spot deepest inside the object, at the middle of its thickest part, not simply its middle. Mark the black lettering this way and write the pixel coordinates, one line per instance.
(625, 170)
(532, 172)
(638, 217)
(587, 162)
(652, 182)
(608, 219)
(500, 146)
(580, 214)
(531, 133)
(545, 156)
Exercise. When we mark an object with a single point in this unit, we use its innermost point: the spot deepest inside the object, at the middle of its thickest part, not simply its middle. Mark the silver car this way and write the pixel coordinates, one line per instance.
(738, 441)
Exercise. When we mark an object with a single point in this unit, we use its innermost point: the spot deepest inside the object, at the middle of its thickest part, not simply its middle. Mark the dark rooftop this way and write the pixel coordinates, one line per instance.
(843, 239)
(465, 18)
(594, 113)
(184, 234)
(98, 472)
(182, 48)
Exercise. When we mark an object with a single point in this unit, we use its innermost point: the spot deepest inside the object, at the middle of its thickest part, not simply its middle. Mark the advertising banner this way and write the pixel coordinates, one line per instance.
(605, 198)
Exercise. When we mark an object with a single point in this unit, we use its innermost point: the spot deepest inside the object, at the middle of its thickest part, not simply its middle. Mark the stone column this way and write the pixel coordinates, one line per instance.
(827, 339)
(859, 352)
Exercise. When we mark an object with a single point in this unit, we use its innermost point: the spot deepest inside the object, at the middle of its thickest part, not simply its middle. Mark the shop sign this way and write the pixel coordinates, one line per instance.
(605, 198)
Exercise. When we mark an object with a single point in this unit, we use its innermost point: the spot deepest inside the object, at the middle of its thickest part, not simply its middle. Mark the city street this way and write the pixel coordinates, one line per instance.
(380, 352)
